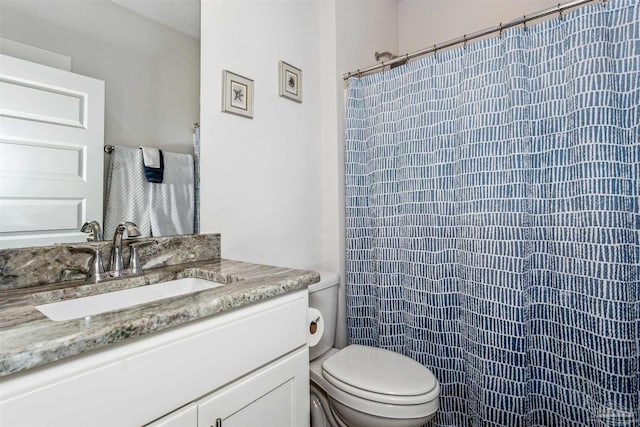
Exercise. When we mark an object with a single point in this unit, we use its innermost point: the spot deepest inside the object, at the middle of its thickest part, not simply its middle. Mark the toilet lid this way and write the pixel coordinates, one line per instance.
(378, 371)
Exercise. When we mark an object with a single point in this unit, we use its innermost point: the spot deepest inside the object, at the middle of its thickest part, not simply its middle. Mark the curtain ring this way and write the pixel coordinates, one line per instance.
(524, 22)
(500, 34)
(560, 13)
(465, 41)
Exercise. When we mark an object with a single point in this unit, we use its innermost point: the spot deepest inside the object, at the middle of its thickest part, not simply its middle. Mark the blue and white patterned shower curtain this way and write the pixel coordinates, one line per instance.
(493, 223)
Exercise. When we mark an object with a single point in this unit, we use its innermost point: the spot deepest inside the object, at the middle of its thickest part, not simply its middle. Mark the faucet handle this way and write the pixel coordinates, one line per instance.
(93, 229)
(96, 269)
(134, 261)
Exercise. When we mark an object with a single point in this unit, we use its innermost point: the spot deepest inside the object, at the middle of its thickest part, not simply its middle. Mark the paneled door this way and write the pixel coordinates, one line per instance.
(51, 159)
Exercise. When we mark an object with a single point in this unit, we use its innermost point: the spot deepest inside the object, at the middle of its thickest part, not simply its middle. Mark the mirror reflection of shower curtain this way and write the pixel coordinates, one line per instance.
(492, 221)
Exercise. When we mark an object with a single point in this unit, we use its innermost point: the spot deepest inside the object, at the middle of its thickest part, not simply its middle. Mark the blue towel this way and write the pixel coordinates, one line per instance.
(155, 174)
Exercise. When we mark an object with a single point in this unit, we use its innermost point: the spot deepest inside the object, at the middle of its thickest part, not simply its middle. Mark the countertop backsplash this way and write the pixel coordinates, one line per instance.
(44, 265)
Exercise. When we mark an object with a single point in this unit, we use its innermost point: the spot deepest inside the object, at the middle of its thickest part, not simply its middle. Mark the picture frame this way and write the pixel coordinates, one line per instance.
(290, 81)
(237, 94)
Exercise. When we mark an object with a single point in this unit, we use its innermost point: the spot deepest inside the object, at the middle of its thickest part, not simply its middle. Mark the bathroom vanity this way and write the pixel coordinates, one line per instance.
(233, 355)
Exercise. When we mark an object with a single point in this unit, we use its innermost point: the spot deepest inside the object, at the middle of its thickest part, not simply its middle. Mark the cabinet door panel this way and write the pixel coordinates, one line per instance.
(183, 417)
(270, 409)
(275, 396)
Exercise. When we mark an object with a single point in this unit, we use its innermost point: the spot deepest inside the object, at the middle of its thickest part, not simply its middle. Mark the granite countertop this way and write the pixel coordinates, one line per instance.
(29, 339)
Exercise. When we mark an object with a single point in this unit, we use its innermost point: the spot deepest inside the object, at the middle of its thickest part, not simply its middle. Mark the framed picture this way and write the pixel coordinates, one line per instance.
(237, 94)
(290, 81)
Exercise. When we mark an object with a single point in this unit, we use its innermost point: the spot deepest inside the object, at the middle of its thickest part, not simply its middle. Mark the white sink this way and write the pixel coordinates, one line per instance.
(95, 304)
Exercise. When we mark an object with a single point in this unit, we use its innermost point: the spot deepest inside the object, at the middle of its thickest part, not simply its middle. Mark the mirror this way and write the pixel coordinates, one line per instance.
(147, 52)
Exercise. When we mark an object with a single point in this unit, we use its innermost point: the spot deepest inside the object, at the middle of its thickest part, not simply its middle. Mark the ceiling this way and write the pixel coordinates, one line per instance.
(181, 15)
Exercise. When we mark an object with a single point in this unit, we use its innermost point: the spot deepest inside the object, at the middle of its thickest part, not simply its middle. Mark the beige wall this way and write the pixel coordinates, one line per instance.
(423, 23)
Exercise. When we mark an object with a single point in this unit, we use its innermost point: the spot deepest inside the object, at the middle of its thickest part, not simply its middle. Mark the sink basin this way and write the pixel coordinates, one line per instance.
(95, 304)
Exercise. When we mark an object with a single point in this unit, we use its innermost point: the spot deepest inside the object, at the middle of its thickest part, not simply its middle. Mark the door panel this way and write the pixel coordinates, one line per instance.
(51, 160)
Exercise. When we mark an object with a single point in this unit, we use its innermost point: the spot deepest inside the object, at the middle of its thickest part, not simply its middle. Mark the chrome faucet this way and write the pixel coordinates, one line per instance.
(117, 266)
(94, 230)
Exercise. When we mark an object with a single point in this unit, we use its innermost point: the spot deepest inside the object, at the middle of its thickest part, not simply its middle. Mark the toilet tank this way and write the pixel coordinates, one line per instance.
(323, 296)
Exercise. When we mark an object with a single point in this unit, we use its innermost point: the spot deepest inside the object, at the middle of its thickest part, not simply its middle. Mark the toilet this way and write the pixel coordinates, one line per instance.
(360, 386)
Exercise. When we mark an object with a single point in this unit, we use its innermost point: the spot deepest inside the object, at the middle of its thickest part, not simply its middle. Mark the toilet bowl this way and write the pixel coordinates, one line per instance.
(361, 386)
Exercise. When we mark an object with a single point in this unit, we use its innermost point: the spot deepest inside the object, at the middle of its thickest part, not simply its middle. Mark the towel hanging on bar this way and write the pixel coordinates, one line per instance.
(127, 192)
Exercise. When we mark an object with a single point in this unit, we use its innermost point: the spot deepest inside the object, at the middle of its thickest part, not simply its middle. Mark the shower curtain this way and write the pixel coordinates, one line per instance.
(493, 221)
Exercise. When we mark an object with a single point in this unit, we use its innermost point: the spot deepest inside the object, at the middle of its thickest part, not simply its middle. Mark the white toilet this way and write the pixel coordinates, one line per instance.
(361, 386)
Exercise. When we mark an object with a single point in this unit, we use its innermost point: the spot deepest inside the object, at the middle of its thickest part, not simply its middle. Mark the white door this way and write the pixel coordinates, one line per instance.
(51, 160)
(275, 396)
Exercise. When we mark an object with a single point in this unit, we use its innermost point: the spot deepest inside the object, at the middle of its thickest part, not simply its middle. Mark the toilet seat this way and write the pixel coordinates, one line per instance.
(357, 370)
(346, 378)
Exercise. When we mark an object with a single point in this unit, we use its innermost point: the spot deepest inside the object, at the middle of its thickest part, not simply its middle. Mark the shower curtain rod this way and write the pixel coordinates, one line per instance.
(402, 59)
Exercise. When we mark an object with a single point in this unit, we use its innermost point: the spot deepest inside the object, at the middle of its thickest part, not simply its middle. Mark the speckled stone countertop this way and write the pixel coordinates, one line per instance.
(29, 339)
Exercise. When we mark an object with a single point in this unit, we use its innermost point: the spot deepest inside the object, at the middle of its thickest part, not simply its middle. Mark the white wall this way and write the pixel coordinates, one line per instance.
(274, 185)
(264, 180)
(151, 71)
(423, 23)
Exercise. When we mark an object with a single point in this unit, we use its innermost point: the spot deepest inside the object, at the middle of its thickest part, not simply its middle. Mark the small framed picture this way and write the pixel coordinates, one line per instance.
(237, 94)
(290, 81)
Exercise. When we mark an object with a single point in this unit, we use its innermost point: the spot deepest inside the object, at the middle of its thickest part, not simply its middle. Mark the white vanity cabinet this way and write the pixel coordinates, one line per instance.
(247, 367)
(270, 397)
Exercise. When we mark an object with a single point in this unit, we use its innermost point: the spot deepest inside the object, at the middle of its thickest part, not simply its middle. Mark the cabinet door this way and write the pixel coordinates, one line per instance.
(274, 396)
(186, 416)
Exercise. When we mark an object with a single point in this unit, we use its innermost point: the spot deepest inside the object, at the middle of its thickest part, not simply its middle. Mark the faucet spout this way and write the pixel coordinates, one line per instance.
(117, 265)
